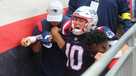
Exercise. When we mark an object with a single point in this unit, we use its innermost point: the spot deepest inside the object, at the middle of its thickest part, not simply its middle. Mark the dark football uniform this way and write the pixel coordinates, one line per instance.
(51, 60)
(79, 57)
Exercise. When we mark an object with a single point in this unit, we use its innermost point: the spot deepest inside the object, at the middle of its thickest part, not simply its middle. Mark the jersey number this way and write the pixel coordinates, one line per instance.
(74, 56)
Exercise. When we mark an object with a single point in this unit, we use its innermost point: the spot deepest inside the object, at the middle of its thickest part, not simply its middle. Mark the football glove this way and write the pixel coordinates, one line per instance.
(28, 41)
(46, 39)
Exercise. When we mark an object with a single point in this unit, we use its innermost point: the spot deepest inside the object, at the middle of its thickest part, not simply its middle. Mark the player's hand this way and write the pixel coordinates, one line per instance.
(98, 56)
(55, 29)
(28, 41)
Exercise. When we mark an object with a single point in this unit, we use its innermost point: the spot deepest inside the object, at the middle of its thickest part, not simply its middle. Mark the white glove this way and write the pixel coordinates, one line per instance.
(28, 41)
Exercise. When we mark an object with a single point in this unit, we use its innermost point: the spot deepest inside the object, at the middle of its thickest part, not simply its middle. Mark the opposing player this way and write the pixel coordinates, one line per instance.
(51, 60)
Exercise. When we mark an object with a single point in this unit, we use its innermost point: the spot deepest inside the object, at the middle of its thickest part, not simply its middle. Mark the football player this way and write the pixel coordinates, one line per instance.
(78, 41)
(51, 60)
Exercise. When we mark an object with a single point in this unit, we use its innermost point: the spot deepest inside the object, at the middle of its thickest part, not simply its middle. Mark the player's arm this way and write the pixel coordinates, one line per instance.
(33, 42)
(27, 41)
(44, 37)
(124, 14)
(57, 37)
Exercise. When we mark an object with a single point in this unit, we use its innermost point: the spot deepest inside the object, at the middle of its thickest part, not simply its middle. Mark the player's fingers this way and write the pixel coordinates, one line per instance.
(25, 42)
(98, 55)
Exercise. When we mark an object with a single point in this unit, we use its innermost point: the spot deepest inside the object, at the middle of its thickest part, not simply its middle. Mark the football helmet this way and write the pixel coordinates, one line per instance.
(55, 11)
(86, 13)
